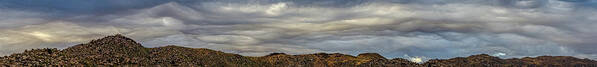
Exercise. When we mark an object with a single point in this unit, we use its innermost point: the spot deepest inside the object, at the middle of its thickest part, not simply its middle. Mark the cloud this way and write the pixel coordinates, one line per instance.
(229, 39)
(393, 28)
(498, 54)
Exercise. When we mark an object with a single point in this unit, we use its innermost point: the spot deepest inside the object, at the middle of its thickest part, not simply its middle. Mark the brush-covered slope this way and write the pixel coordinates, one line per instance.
(118, 50)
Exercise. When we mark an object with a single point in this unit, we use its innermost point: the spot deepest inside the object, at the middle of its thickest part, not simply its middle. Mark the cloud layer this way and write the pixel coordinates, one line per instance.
(394, 28)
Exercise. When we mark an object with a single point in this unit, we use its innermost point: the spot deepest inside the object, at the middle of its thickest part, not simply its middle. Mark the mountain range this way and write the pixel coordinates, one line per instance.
(118, 50)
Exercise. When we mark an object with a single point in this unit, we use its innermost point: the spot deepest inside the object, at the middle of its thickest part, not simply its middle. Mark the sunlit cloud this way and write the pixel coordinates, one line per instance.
(498, 54)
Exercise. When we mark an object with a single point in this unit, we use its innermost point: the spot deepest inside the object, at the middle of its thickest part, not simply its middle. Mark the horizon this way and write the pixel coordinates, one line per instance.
(409, 29)
(417, 60)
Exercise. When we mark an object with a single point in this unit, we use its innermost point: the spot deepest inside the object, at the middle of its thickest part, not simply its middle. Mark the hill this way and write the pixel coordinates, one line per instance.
(119, 50)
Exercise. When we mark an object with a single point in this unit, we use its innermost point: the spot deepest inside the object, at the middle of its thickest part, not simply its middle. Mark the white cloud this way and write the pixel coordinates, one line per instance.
(275, 9)
(229, 39)
(498, 54)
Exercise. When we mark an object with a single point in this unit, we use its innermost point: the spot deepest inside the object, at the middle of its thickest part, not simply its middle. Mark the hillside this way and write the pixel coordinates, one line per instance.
(118, 50)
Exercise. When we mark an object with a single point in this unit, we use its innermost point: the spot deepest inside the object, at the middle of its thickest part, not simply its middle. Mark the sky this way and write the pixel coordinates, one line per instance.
(413, 29)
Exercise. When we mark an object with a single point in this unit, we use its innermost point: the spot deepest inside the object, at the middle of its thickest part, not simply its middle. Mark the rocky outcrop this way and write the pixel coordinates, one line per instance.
(118, 50)
(370, 56)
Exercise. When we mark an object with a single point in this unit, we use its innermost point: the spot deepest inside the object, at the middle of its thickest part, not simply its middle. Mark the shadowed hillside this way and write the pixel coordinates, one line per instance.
(122, 51)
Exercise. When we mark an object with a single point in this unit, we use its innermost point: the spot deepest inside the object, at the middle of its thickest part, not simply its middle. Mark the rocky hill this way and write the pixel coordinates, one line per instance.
(118, 50)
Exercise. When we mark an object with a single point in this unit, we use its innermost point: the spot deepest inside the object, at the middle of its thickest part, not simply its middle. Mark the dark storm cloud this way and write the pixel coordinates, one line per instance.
(78, 6)
(394, 28)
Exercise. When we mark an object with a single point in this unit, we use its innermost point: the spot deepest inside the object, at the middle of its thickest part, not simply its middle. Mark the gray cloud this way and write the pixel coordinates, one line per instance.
(394, 28)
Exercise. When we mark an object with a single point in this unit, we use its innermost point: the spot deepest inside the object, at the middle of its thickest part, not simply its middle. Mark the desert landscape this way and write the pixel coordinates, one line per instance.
(298, 33)
(118, 50)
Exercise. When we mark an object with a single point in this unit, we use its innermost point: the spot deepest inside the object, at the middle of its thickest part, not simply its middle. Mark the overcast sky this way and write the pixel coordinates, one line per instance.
(393, 28)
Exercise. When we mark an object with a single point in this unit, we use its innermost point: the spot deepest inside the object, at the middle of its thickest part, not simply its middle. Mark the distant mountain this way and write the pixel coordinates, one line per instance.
(118, 50)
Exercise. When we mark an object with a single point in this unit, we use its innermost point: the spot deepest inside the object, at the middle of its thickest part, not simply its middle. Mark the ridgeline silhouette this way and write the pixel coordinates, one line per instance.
(118, 50)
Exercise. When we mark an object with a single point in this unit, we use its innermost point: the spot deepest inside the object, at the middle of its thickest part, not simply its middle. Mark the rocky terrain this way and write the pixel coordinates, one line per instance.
(118, 50)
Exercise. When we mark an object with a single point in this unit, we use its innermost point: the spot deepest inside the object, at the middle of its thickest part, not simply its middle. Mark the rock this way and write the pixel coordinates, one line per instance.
(370, 56)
